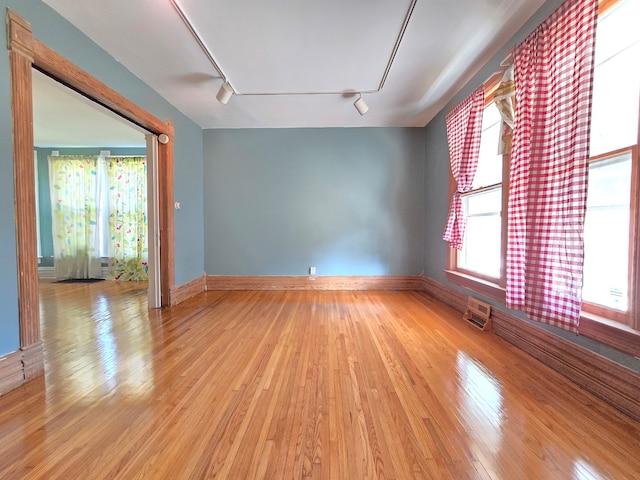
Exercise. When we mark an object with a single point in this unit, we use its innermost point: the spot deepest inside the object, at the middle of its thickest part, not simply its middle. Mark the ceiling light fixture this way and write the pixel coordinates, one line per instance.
(227, 90)
(361, 105)
(224, 94)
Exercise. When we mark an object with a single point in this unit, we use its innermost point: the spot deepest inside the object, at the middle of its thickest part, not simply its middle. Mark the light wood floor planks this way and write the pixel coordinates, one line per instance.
(293, 385)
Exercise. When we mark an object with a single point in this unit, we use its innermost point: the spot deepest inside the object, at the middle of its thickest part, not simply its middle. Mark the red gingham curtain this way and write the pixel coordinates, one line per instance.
(464, 128)
(553, 70)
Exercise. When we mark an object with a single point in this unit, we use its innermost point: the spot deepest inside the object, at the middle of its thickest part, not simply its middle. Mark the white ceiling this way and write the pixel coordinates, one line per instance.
(296, 46)
(64, 118)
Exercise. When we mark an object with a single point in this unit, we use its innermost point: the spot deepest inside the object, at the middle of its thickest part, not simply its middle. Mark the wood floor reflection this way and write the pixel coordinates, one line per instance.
(291, 385)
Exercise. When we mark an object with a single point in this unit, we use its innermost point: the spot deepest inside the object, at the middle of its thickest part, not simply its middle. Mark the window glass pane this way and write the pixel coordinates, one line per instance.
(482, 240)
(102, 205)
(489, 163)
(486, 202)
(617, 28)
(606, 233)
(616, 83)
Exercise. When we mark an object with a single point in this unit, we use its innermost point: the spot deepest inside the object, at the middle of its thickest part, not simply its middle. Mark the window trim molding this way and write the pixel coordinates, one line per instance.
(488, 288)
(494, 287)
(596, 311)
(609, 332)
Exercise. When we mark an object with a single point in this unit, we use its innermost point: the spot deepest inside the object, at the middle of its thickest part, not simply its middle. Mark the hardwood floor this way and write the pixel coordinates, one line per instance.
(297, 384)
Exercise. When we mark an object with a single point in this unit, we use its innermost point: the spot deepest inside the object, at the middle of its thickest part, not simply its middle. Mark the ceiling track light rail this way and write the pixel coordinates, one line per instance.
(227, 90)
(198, 39)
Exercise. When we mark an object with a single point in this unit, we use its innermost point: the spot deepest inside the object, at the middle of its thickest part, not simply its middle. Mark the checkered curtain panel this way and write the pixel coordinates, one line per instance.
(553, 70)
(464, 128)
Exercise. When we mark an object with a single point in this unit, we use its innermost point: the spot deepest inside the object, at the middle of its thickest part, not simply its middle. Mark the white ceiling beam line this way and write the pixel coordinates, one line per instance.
(396, 46)
(327, 92)
(216, 65)
(197, 38)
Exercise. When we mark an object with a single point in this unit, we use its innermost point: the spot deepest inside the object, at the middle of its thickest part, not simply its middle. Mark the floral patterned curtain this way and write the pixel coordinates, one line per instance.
(74, 191)
(127, 180)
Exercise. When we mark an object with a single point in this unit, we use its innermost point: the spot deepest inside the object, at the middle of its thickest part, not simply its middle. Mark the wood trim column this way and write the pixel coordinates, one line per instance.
(60, 68)
(165, 181)
(21, 59)
(51, 63)
(25, 53)
(633, 308)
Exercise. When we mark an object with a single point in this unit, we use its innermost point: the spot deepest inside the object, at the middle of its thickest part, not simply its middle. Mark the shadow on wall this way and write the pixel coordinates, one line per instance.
(344, 200)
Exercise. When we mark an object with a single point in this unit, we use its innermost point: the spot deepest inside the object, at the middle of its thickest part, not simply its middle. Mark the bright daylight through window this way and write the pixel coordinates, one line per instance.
(610, 287)
(481, 251)
(614, 137)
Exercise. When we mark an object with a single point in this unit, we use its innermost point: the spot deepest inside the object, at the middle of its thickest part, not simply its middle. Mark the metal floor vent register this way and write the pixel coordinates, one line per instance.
(478, 313)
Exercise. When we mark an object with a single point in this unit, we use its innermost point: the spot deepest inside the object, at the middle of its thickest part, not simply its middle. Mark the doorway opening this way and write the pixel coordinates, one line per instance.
(95, 176)
(25, 54)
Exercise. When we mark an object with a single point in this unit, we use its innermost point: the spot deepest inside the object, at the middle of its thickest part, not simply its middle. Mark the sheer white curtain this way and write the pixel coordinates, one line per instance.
(74, 210)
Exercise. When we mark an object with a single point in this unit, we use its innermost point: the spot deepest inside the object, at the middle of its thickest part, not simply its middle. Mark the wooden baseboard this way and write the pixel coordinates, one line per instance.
(615, 384)
(408, 282)
(451, 297)
(187, 290)
(11, 372)
(33, 361)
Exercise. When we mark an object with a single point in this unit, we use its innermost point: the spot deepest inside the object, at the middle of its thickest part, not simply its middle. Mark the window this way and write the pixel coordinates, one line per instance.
(611, 266)
(616, 79)
(102, 204)
(606, 233)
(609, 234)
(481, 251)
(483, 248)
(99, 210)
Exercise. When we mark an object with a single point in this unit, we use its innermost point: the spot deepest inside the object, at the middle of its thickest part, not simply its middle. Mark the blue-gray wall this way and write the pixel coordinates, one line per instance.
(348, 201)
(9, 327)
(44, 195)
(60, 35)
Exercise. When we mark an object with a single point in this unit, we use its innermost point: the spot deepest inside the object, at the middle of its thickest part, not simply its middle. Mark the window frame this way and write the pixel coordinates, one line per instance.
(620, 330)
(456, 253)
(484, 284)
(629, 317)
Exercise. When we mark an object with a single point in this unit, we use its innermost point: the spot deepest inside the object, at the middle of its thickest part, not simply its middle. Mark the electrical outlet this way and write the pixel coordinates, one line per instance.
(312, 270)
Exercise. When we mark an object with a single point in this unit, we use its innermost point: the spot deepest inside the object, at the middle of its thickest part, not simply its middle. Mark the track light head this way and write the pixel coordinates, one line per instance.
(224, 94)
(361, 105)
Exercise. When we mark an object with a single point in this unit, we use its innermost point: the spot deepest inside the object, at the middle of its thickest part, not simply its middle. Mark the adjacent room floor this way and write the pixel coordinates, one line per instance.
(289, 385)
